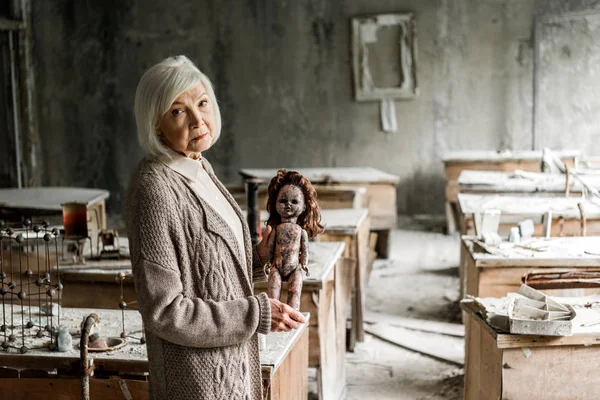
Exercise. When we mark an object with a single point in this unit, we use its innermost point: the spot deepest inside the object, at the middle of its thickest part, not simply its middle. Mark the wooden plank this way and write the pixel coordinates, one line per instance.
(562, 373)
(414, 341)
(443, 328)
(331, 384)
(483, 363)
(290, 380)
(65, 388)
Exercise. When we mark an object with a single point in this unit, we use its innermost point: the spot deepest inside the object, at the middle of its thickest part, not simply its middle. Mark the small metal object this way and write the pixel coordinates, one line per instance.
(12, 285)
(29, 325)
(23, 349)
(5, 345)
(51, 292)
(47, 237)
(3, 275)
(36, 228)
(22, 295)
(28, 273)
(11, 338)
(122, 305)
(20, 238)
(26, 222)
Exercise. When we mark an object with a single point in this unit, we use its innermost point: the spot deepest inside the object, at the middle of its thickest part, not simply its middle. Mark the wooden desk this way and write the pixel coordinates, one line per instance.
(27, 376)
(495, 275)
(328, 197)
(523, 183)
(39, 201)
(325, 295)
(523, 367)
(351, 226)
(457, 161)
(380, 186)
(514, 209)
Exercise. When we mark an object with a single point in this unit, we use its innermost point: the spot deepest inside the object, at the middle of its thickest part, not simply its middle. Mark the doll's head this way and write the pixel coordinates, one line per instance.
(292, 195)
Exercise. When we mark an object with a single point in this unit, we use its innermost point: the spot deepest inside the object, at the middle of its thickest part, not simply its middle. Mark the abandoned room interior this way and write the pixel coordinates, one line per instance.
(300, 199)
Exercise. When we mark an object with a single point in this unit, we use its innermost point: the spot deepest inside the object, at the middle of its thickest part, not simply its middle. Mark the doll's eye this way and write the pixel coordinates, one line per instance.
(294, 201)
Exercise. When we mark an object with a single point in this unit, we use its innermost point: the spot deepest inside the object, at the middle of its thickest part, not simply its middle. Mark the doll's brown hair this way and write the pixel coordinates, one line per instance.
(310, 219)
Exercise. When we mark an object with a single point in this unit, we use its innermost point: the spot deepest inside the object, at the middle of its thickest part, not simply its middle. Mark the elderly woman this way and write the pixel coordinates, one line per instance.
(193, 263)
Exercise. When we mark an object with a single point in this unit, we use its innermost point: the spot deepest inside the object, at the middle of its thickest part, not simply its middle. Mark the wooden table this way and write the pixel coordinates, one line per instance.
(494, 275)
(504, 366)
(523, 183)
(48, 201)
(566, 216)
(380, 186)
(350, 226)
(284, 364)
(325, 295)
(328, 197)
(457, 161)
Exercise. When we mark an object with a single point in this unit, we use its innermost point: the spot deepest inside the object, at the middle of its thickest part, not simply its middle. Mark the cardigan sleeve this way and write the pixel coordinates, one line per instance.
(195, 322)
(156, 238)
(258, 267)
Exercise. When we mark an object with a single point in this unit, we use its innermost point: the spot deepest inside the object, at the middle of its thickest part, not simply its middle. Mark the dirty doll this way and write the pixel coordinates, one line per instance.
(294, 217)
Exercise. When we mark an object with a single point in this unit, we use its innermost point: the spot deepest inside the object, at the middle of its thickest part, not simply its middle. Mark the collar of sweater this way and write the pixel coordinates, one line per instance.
(185, 166)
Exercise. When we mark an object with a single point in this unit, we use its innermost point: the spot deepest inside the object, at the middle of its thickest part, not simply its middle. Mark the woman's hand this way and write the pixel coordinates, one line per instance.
(261, 248)
(283, 317)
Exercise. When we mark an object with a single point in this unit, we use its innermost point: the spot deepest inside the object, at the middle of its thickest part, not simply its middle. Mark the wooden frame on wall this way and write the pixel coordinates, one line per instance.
(384, 57)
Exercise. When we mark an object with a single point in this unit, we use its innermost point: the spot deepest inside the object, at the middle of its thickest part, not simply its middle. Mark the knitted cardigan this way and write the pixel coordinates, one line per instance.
(195, 296)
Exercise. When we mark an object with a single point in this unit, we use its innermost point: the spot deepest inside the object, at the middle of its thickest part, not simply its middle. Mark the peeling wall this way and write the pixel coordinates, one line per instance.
(282, 72)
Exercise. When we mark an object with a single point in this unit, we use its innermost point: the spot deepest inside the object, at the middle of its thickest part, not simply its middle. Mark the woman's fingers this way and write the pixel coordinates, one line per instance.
(284, 318)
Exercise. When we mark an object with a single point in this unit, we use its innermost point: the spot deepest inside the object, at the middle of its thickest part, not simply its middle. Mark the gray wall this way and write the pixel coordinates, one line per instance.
(282, 71)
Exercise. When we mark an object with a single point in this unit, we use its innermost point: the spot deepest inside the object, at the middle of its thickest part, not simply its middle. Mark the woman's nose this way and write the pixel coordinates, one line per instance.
(196, 120)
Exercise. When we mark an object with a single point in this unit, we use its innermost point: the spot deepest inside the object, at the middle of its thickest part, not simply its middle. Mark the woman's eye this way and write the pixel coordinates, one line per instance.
(203, 103)
(177, 111)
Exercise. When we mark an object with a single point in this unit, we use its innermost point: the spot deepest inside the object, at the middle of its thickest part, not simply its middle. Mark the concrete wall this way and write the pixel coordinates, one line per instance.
(282, 71)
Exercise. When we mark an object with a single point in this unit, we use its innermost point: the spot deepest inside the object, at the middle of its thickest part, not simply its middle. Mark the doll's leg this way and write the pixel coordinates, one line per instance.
(295, 289)
(274, 291)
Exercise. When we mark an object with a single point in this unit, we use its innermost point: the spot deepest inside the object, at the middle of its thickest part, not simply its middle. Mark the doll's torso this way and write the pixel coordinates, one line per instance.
(287, 247)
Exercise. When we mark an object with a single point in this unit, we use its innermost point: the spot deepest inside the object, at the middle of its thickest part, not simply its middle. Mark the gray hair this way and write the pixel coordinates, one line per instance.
(157, 90)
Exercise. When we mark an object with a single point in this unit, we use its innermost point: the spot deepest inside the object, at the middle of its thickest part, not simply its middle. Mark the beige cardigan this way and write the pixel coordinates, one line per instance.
(194, 294)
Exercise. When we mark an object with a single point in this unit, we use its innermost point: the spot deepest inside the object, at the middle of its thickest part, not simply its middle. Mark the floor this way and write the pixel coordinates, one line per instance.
(420, 280)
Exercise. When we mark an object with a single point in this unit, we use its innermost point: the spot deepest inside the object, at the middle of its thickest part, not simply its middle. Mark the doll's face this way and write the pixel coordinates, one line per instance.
(290, 202)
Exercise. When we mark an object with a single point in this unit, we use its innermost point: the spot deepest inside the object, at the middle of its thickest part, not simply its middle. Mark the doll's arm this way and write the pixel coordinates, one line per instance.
(304, 252)
(270, 249)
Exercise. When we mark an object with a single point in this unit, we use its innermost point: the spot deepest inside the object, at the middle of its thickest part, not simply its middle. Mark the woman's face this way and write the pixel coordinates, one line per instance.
(290, 202)
(188, 127)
